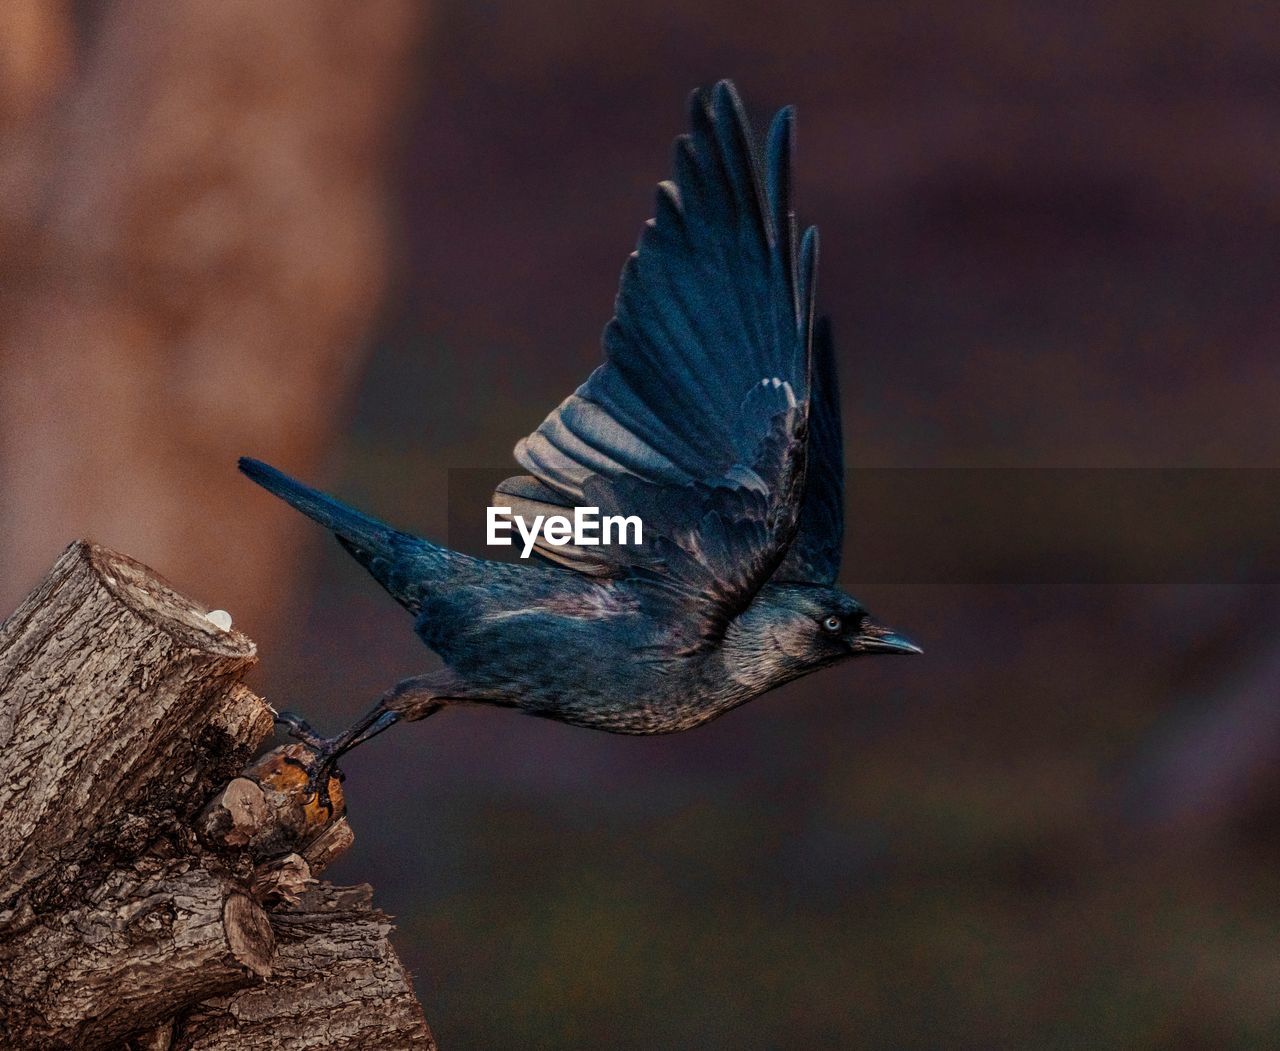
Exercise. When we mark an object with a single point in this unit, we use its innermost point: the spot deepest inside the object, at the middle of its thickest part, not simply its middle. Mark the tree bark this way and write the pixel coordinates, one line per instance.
(153, 889)
(118, 704)
(148, 942)
(336, 983)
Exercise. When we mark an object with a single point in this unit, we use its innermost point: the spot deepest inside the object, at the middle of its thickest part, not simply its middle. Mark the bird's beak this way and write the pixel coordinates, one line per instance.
(875, 639)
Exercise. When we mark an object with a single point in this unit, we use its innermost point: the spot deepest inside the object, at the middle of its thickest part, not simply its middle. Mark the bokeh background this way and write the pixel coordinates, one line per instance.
(376, 243)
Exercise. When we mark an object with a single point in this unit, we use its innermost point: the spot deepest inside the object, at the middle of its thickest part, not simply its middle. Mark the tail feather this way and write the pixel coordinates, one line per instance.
(395, 559)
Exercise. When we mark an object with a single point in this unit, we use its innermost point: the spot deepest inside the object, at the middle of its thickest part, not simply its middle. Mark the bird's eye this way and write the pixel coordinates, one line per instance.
(832, 625)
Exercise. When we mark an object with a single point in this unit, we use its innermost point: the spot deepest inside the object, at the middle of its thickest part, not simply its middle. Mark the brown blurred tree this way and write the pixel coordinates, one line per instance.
(193, 248)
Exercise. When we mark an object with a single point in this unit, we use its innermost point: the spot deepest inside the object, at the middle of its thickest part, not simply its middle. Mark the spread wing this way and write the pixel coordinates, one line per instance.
(697, 421)
(814, 555)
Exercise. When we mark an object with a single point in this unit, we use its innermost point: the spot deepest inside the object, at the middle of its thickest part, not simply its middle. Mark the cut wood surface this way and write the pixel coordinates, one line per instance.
(156, 891)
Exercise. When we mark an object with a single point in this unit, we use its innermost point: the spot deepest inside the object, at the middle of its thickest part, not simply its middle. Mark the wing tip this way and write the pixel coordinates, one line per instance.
(808, 273)
(726, 99)
(780, 143)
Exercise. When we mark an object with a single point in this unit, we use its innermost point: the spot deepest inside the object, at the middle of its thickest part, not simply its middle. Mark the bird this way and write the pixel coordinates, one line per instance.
(715, 419)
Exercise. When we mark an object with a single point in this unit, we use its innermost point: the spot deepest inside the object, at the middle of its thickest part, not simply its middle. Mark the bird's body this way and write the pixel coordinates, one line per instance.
(715, 419)
(535, 636)
(546, 651)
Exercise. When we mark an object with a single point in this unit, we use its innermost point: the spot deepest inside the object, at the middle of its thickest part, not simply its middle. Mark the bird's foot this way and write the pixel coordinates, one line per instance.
(325, 753)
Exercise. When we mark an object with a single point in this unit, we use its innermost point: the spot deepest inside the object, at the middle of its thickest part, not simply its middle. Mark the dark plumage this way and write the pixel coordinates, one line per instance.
(715, 417)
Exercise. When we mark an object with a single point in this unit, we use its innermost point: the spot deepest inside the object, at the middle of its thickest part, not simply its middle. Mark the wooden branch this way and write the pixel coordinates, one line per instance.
(153, 889)
(336, 983)
(118, 703)
(145, 945)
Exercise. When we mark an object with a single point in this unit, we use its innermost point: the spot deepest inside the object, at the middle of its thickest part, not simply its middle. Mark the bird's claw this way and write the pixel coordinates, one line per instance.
(299, 729)
(324, 764)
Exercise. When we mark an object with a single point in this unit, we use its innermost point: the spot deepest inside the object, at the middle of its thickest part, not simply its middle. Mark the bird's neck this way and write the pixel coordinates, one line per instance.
(753, 659)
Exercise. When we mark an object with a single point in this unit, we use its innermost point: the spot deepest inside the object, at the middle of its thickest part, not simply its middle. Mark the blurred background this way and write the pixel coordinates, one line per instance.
(374, 244)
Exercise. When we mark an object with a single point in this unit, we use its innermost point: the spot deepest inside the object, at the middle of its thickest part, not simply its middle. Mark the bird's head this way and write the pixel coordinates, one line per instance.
(793, 629)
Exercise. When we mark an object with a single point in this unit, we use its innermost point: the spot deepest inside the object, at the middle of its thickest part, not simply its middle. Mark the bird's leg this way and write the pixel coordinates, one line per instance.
(328, 750)
(413, 698)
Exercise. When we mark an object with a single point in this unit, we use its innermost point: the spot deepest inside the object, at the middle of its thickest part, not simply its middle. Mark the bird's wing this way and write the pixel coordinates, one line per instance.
(814, 555)
(697, 420)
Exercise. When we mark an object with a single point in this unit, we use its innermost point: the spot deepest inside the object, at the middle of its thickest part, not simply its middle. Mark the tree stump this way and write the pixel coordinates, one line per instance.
(155, 892)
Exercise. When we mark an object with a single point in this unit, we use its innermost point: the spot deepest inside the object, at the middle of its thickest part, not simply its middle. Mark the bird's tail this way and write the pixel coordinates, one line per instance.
(400, 562)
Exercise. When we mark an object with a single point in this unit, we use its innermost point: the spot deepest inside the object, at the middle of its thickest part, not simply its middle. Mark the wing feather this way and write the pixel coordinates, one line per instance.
(814, 555)
(698, 419)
